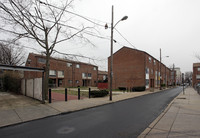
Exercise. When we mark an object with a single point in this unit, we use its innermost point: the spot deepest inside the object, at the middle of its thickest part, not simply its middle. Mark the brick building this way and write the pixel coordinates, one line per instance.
(196, 74)
(63, 72)
(134, 68)
(102, 76)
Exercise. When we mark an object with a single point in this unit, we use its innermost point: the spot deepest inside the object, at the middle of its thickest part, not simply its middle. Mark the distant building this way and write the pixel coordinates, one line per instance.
(102, 76)
(196, 74)
(134, 68)
(178, 75)
(64, 72)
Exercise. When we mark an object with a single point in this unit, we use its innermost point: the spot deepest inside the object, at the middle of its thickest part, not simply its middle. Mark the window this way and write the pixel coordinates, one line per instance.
(77, 66)
(89, 75)
(69, 64)
(149, 59)
(95, 68)
(154, 61)
(60, 73)
(52, 73)
(104, 77)
(198, 69)
(198, 77)
(69, 81)
(147, 83)
(151, 71)
(147, 70)
(77, 81)
(42, 60)
(84, 75)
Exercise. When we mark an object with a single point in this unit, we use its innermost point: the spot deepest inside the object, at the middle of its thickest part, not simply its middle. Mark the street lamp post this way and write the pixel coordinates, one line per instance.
(161, 70)
(111, 48)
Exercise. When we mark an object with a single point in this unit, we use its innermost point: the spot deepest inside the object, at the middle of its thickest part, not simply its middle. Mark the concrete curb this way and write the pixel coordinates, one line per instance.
(85, 108)
(152, 125)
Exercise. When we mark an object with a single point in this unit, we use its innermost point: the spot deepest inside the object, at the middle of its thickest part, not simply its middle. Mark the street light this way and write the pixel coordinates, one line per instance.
(111, 50)
(161, 70)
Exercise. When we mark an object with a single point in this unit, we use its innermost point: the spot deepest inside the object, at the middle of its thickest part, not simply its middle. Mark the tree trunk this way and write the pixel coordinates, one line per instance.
(46, 80)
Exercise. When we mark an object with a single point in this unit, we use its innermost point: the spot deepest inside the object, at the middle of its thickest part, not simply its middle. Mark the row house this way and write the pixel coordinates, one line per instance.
(102, 76)
(135, 68)
(196, 74)
(64, 72)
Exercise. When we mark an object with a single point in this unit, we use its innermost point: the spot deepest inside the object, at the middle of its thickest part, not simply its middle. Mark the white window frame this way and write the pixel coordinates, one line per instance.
(77, 66)
(52, 73)
(69, 64)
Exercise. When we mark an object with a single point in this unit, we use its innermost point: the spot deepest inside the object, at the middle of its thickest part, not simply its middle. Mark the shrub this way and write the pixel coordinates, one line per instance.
(122, 88)
(139, 88)
(98, 93)
(162, 85)
(12, 82)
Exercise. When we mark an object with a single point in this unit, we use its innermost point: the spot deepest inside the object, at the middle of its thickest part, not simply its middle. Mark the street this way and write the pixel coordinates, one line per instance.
(127, 118)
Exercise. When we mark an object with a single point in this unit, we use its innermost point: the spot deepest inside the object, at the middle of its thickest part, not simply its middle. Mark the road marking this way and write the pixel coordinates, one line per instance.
(65, 130)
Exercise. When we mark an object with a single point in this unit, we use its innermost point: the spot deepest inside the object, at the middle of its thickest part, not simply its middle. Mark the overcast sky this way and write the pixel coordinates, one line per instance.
(172, 25)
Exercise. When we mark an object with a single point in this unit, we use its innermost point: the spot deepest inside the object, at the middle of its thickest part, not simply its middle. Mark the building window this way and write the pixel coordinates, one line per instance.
(77, 81)
(69, 64)
(147, 83)
(198, 69)
(84, 75)
(89, 75)
(149, 59)
(151, 71)
(42, 60)
(77, 66)
(198, 77)
(60, 73)
(95, 68)
(52, 73)
(147, 70)
(69, 81)
(154, 61)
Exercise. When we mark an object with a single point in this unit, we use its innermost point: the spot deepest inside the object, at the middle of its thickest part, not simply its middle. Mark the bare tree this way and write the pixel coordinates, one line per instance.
(188, 76)
(40, 21)
(10, 55)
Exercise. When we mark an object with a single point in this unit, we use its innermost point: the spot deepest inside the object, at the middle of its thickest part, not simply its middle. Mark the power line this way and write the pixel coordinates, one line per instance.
(83, 17)
(125, 38)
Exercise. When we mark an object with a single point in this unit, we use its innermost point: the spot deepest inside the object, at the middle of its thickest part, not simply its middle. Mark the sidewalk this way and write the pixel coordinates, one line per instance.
(18, 108)
(180, 119)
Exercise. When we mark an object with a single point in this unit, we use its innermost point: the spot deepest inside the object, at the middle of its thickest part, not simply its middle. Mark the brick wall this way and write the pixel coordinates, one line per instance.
(72, 75)
(135, 68)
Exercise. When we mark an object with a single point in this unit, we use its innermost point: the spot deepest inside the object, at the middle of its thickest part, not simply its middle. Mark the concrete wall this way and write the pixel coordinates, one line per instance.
(32, 88)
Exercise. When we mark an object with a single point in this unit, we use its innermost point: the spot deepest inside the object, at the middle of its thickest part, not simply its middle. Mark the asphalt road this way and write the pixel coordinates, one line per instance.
(122, 119)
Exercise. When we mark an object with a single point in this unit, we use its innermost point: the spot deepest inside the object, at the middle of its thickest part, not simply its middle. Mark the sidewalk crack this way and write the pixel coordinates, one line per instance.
(173, 123)
(17, 115)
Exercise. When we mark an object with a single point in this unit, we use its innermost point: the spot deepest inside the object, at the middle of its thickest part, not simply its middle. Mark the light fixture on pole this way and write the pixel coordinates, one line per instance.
(161, 69)
(111, 48)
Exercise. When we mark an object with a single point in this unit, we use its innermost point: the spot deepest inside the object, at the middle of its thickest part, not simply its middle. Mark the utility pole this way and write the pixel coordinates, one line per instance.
(183, 83)
(173, 75)
(111, 53)
(111, 47)
(160, 68)
(165, 77)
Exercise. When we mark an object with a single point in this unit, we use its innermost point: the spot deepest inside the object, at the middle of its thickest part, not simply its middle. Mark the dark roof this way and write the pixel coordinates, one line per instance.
(138, 51)
(60, 59)
(196, 64)
(102, 72)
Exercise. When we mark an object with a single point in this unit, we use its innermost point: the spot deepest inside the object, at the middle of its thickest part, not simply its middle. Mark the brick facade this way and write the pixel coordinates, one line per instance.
(196, 74)
(135, 68)
(64, 73)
